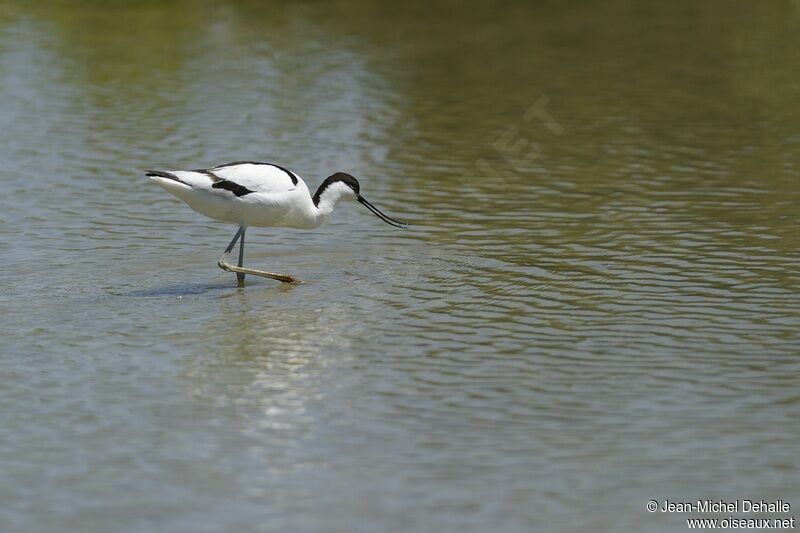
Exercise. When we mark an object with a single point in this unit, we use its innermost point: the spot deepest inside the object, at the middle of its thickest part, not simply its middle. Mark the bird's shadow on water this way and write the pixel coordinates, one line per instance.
(178, 289)
(222, 289)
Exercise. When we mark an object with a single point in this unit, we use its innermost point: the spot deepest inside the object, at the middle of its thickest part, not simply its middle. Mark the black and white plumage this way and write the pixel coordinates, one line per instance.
(249, 193)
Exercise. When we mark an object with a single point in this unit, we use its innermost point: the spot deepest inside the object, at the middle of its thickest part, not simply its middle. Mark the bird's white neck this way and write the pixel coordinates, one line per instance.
(329, 195)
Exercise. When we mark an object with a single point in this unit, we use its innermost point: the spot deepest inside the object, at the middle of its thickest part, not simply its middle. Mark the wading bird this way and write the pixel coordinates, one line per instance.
(248, 193)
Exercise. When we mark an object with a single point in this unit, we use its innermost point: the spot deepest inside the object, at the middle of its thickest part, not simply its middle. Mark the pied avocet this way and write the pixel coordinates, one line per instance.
(249, 193)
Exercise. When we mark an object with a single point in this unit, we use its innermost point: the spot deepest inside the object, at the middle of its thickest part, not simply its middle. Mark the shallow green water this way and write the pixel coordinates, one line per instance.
(597, 303)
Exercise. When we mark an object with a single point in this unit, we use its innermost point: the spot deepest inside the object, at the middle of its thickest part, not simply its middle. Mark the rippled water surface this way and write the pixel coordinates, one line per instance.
(596, 304)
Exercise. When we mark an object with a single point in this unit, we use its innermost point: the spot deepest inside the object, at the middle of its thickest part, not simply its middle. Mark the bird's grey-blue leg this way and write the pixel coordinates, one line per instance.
(240, 275)
(233, 242)
(224, 265)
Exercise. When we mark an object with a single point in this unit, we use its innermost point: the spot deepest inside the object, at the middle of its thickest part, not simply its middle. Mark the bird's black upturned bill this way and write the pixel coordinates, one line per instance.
(386, 218)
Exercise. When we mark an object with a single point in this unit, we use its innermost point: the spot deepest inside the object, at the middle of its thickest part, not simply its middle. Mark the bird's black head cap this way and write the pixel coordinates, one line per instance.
(345, 178)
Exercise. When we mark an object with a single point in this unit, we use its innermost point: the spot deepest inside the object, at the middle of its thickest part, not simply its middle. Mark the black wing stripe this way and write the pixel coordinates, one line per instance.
(228, 185)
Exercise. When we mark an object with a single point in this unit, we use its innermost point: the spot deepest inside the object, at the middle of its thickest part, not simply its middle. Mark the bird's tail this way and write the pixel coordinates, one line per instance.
(162, 174)
(169, 181)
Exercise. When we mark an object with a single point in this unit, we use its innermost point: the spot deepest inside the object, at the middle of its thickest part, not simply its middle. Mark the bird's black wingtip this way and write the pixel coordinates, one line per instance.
(160, 174)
